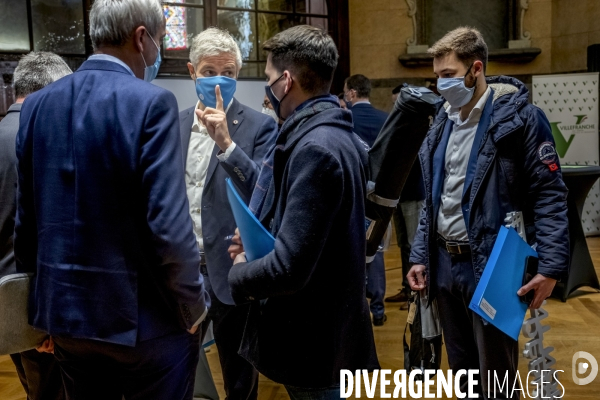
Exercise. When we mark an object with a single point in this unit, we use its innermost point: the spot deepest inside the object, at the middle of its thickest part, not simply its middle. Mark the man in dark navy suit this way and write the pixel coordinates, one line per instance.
(221, 138)
(103, 222)
(368, 121)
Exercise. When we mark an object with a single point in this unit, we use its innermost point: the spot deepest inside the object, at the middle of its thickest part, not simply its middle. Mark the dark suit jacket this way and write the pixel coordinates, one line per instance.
(102, 211)
(8, 188)
(253, 133)
(368, 121)
(314, 319)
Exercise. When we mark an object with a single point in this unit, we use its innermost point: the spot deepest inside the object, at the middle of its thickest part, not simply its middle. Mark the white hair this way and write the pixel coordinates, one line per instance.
(212, 42)
(37, 70)
(112, 22)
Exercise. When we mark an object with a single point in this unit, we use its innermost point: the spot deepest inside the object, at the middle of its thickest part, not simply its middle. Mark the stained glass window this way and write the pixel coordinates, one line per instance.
(176, 37)
(182, 23)
(250, 22)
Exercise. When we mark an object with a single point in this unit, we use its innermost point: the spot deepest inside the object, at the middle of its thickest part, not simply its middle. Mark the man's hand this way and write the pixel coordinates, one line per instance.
(416, 277)
(47, 346)
(215, 121)
(240, 258)
(543, 289)
(236, 246)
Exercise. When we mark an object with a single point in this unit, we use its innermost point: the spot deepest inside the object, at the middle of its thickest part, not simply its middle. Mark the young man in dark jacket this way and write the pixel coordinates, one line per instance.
(308, 316)
(487, 153)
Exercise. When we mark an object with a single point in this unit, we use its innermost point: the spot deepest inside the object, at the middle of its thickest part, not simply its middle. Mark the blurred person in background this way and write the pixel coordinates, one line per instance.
(368, 122)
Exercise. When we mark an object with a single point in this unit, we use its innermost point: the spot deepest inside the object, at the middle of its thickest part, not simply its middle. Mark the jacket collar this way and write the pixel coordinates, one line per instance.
(332, 117)
(16, 107)
(510, 96)
(108, 57)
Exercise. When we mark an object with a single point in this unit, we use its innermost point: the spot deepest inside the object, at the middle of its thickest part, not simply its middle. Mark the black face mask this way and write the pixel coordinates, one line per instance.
(275, 102)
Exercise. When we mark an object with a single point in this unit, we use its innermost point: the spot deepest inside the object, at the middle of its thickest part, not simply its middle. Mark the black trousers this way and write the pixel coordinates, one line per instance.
(471, 343)
(158, 369)
(239, 376)
(39, 374)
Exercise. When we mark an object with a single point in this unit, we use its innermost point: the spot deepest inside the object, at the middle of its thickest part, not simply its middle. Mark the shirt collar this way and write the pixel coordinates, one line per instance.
(197, 123)
(474, 115)
(16, 107)
(360, 102)
(106, 57)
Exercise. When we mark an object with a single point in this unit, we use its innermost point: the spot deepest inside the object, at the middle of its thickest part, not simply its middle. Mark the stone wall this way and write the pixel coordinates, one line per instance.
(575, 26)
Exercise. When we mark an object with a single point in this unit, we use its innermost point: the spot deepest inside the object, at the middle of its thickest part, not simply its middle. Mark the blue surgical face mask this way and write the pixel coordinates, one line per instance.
(205, 89)
(151, 71)
(455, 91)
(275, 102)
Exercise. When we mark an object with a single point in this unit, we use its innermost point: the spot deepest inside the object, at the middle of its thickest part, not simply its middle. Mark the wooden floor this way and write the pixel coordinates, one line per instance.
(575, 326)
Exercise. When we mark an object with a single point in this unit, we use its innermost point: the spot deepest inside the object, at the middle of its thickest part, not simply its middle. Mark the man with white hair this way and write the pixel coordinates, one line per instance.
(102, 218)
(38, 372)
(221, 138)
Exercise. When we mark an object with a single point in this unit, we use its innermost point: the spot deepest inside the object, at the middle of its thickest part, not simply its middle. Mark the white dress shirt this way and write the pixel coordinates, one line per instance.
(196, 167)
(450, 220)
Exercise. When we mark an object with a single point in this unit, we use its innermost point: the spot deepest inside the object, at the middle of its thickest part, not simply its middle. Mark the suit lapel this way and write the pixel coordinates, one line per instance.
(186, 133)
(234, 120)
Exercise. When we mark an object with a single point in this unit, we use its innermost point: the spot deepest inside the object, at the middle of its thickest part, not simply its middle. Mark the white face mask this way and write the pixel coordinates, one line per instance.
(455, 91)
(271, 113)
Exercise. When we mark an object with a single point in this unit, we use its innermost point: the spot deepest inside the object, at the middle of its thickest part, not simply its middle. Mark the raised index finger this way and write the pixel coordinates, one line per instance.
(219, 98)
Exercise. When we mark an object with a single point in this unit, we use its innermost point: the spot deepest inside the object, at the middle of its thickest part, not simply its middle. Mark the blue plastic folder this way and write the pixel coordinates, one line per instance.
(258, 242)
(495, 298)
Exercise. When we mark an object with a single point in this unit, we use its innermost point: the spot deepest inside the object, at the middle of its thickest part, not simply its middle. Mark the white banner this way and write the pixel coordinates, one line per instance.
(570, 102)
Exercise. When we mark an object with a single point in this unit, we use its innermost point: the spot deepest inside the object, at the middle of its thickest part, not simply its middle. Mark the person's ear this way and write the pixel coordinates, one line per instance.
(191, 71)
(288, 81)
(138, 38)
(477, 68)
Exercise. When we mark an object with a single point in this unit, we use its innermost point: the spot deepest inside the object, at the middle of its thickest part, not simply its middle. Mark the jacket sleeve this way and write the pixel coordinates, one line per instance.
(418, 251)
(548, 195)
(163, 185)
(244, 169)
(313, 187)
(25, 236)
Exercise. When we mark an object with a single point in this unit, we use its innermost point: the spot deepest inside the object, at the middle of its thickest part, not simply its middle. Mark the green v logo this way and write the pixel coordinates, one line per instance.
(580, 119)
(562, 145)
